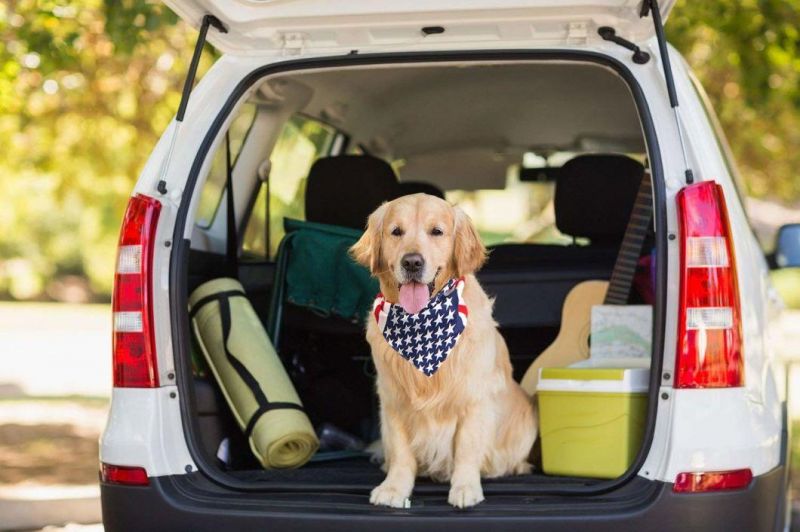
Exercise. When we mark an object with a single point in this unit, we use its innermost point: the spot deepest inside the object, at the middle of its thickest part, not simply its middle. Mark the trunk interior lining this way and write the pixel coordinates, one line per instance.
(361, 470)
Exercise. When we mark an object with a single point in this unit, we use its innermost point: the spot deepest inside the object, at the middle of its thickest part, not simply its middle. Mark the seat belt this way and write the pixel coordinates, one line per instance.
(264, 171)
(619, 286)
(232, 242)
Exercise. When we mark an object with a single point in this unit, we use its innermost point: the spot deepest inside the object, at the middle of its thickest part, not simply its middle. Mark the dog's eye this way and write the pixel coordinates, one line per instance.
(436, 232)
(397, 232)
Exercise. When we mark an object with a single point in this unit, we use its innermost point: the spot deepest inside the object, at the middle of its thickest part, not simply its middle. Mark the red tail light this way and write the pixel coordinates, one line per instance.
(131, 476)
(712, 481)
(134, 337)
(709, 321)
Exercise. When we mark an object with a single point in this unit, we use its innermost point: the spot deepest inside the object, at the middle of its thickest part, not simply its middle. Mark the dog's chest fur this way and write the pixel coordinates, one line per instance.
(429, 408)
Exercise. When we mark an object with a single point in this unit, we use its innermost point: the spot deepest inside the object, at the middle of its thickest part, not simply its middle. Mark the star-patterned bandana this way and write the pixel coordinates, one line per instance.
(427, 338)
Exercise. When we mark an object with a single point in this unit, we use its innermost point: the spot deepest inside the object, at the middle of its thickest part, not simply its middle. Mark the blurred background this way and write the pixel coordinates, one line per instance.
(87, 87)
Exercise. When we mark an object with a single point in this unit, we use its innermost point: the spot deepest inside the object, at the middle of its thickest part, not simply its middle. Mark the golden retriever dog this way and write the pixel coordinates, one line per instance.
(469, 419)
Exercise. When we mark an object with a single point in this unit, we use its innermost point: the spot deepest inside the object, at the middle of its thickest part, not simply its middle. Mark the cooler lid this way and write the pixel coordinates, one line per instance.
(610, 380)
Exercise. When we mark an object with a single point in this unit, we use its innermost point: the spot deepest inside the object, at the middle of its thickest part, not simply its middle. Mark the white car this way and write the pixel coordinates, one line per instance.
(539, 118)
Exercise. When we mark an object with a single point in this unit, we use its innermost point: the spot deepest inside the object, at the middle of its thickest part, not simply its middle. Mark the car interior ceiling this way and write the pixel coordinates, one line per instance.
(327, 357)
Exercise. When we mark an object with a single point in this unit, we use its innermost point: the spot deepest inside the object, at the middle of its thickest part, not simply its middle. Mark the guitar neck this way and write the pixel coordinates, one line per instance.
(619, 287)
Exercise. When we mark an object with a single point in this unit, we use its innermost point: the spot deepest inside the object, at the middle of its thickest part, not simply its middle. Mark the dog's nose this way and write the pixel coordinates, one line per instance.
(412, 262)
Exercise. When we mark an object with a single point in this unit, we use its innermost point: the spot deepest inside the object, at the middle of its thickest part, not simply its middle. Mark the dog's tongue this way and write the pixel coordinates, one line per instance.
(413, 297)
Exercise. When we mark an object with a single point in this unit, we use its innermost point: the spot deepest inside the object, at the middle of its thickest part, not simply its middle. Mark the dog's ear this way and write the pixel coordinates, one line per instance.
(367, 251)
(469, 253)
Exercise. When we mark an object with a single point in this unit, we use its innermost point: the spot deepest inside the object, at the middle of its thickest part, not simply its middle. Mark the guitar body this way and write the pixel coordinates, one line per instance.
(572, 343)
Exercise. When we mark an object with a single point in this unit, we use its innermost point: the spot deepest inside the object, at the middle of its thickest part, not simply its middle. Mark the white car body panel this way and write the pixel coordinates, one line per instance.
(696, 430)
(722, 429)
(719, 430)
(299, 26)
(144, 430)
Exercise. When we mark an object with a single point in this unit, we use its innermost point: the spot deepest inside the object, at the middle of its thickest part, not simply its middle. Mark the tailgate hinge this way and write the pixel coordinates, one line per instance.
(577, 33)
(293, 43)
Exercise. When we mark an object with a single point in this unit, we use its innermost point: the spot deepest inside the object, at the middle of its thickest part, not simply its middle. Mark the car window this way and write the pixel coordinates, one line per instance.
(211, 194)
(520, 212)
(301, 142)
(523, 211)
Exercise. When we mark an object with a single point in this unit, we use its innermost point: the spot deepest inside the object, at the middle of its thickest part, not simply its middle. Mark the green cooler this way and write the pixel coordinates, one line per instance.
(591, 420)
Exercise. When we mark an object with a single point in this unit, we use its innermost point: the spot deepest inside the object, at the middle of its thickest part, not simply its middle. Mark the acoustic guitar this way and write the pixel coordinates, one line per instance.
(572, 342)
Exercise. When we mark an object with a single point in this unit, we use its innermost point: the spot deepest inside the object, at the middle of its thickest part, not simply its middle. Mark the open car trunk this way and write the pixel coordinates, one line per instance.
(483, 131)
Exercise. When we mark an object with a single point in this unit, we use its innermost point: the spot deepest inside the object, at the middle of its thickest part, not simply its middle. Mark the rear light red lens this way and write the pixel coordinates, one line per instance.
(131, 476)
(709, 322)
(134, 337)
(712, 481)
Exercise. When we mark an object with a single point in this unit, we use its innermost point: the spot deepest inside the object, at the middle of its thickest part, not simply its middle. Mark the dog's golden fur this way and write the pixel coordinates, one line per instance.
(470, 419)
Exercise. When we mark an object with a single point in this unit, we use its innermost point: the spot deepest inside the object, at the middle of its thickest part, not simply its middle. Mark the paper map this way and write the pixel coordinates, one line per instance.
(621, 331)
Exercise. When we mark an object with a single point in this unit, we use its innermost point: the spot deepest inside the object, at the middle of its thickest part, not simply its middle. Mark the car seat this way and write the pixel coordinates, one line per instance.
(341, 192)
(594, 196)
(321, 297)
(416, 187)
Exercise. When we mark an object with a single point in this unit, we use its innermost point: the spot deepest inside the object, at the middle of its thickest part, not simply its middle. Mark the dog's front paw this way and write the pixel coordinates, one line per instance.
(465, 495)
(389, 495)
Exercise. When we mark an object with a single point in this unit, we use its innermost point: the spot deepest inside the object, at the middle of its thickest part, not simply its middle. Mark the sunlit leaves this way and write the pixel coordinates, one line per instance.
(746, 55)
(86, 88)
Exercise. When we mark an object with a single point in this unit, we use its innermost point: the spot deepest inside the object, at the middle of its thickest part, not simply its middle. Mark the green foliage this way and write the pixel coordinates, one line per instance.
(787, 283)
(87, 86)
(85, 90)
(745, 53)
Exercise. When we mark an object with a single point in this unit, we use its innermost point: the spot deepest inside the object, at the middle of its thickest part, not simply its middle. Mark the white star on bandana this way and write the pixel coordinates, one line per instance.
(435, 330)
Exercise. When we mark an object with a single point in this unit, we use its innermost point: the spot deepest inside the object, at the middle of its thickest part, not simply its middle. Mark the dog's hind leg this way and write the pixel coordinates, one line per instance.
(514, 438)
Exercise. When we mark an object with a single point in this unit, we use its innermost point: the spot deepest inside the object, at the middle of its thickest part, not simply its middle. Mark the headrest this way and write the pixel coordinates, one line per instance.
(344, 190)
(416, 187)
(595, 195)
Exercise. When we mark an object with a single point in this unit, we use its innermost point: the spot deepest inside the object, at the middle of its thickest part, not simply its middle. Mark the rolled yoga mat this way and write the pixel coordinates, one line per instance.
(251, 376)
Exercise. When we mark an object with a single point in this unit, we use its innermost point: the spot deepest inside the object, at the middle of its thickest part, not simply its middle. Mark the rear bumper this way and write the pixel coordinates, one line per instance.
(186, 502)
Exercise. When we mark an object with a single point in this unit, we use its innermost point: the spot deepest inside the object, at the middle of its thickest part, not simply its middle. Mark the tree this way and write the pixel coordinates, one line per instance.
(745, 54)
(86, 88)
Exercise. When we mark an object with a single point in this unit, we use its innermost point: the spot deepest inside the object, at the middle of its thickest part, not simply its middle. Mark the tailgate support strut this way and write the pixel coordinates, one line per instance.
(208, 20)
(651, 7)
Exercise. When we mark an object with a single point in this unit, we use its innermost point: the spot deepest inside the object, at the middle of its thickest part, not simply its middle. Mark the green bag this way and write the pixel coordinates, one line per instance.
(321, 275)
